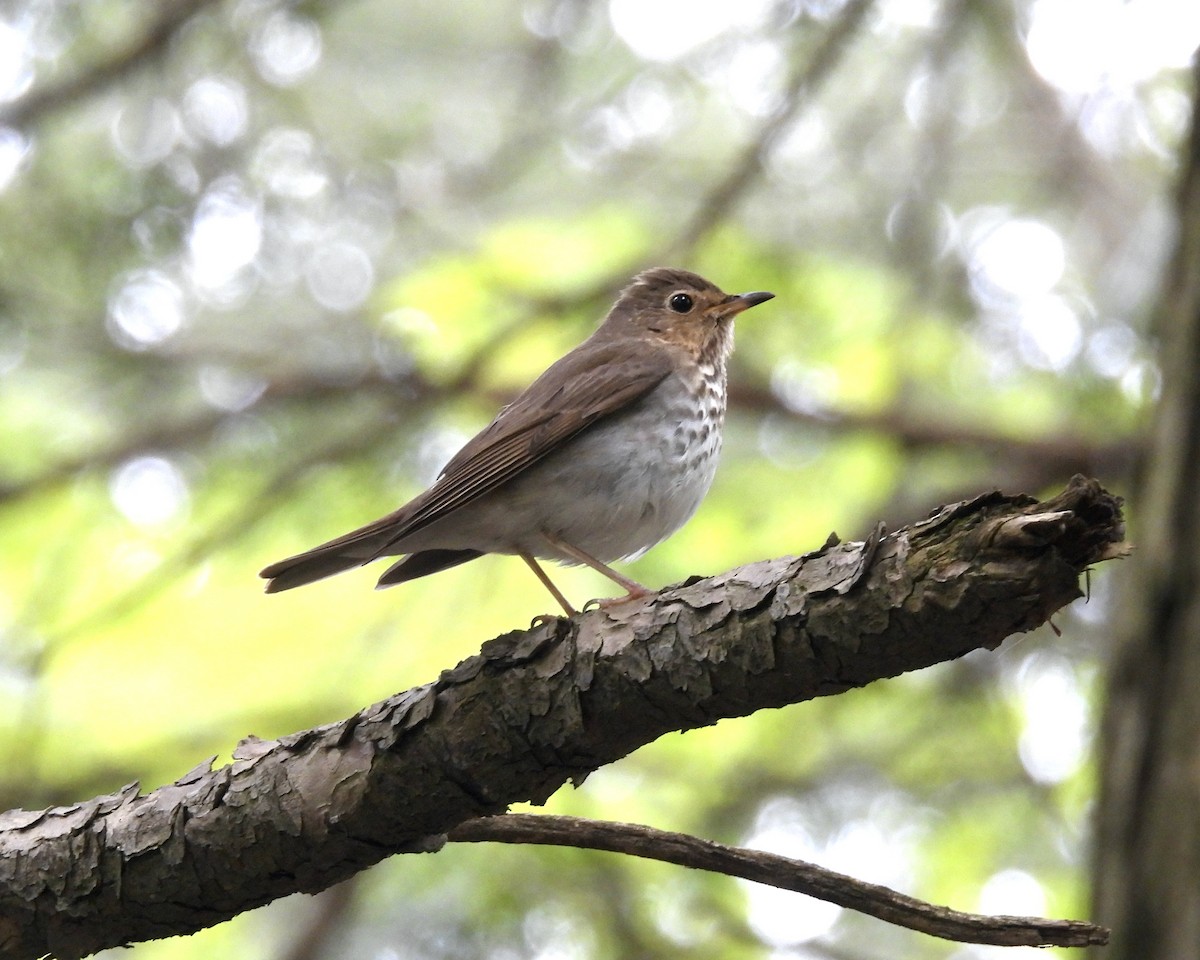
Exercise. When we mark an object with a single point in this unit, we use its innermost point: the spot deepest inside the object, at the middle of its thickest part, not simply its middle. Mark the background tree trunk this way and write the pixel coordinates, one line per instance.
(1147, 859)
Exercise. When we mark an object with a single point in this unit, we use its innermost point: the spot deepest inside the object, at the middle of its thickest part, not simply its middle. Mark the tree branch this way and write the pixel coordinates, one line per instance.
(784, 872)
(803, 82)
(536, 709)
(139, 51)
(1053, 454)
(1059, 452)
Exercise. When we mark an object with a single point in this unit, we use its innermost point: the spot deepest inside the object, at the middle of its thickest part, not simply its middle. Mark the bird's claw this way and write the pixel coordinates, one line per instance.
(544, 618)
(603, 603)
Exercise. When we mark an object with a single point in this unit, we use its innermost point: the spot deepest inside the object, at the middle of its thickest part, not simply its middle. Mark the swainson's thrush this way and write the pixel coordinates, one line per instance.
(607, 453)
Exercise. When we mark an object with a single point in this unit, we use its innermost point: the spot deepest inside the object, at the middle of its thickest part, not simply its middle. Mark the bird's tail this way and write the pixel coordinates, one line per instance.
(338, 555)
(316, 564)
(352, 549)
(423, 564)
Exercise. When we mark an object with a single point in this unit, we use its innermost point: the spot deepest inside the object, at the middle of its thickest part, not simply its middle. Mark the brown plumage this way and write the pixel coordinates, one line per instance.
(605, 454)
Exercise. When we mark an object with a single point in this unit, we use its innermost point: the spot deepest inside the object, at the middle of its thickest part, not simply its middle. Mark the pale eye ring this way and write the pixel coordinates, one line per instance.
(680, 303)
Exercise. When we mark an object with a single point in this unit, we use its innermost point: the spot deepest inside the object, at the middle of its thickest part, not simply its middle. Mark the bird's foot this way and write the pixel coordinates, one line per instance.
(604, 603)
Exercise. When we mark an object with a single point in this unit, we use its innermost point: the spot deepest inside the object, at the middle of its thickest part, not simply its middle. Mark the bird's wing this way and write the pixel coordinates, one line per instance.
(591, 383)
(584, 387)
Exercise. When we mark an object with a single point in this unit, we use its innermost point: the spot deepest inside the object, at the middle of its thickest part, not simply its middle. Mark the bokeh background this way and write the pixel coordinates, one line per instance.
(265, 265)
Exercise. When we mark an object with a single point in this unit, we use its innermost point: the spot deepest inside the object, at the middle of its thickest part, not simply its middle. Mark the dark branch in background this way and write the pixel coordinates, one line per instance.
(533, 711)
(1071, 166)
(323, 928)
(43, 101)
(801, 85)
(1059, 453)
(534, 116)
(181, 434)
(252, 509)
(783, 872)
(1053, 454)
(915, 247)
(722, 196)
(408, 394)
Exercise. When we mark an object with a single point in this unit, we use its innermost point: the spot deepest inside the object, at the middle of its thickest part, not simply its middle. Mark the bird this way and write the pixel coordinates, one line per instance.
(606, 454)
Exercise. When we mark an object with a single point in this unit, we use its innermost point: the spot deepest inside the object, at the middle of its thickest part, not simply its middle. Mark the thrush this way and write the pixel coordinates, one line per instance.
(606, 454)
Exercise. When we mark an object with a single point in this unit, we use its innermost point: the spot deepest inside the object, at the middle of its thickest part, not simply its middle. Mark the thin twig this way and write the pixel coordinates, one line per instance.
(783, 872)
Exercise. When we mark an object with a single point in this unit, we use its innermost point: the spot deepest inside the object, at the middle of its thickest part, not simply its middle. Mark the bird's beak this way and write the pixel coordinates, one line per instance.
(744, 301)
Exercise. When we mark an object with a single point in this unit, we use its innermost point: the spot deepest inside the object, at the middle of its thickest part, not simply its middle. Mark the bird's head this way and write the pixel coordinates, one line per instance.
(681, 308)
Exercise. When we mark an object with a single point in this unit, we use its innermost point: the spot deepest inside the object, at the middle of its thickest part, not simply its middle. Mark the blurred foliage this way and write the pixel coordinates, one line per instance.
(265, 265)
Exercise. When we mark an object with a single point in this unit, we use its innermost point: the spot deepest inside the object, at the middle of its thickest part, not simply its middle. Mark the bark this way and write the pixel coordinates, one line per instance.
(1147, 859)
(536, 709)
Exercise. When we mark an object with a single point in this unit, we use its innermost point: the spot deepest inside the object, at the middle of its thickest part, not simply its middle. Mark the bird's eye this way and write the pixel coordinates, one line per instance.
(680, 303)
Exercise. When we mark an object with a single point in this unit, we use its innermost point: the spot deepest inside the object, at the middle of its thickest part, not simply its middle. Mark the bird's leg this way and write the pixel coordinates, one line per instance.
(548, 583)
(634, 590)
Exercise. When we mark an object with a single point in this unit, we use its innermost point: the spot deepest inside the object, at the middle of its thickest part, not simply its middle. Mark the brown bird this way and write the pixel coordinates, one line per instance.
(606, 454)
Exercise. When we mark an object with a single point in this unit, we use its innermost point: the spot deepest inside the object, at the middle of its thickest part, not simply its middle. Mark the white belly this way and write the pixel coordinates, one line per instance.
(614, 491)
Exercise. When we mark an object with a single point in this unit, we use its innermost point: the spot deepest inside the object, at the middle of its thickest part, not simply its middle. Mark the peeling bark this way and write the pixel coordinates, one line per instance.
(533, 710)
